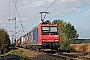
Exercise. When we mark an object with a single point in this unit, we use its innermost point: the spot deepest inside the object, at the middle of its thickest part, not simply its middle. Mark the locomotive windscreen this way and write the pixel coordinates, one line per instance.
(52, 30)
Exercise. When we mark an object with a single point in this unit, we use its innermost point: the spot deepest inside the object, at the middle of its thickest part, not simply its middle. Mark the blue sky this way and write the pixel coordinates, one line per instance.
(77, 12)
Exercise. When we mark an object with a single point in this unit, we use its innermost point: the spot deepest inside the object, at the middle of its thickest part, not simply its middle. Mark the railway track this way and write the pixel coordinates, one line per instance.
(56, 55)
(71, 56)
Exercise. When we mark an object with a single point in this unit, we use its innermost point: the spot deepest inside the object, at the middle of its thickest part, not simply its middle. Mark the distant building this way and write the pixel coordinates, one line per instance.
(80, 41)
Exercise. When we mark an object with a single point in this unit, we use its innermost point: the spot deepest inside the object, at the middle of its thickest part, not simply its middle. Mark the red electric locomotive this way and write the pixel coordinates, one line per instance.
(44, 36)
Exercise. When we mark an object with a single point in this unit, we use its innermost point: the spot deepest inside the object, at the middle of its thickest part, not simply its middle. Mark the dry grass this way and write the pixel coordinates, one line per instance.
(81, 47)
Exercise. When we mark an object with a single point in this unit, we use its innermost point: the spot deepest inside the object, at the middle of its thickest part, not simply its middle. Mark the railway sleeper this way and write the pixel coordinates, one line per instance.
(68, 55)
(64, 57)
(72, 57)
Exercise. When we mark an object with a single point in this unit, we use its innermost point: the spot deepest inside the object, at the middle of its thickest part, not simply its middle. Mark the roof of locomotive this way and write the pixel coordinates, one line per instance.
(39, 25)
(47, 25)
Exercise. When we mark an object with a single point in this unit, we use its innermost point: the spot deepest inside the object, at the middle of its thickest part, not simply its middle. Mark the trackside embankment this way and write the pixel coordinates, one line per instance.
(81, 47)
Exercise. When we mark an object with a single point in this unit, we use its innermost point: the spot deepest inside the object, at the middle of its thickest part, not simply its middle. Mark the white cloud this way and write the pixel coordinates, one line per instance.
(29, 8)
(2, 24)
(37, 3)
(28, 4)
(1, 21)
(25, 2)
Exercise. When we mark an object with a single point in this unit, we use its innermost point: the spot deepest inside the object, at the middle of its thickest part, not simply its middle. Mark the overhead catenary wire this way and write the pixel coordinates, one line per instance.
(37, 15)
(33, 23)
(10, 26)
(15, 2)
(64, 8)
(51, 5)
(16, 11)
(41, 9)
(9, 23)
(9, 14)
(74, 9)
(46, 9)
(45, 4)
(77, 13)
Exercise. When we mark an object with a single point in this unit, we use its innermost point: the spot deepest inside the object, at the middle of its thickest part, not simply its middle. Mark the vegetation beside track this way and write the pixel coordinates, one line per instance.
(18, 53)
(81, 47)
(68, 34)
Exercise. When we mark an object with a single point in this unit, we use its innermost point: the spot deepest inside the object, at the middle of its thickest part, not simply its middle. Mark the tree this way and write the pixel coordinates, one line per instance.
(4, 40)
(67, 33)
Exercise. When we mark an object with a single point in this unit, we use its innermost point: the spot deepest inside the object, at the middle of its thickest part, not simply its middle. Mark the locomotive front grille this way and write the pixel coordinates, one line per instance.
(50, 45)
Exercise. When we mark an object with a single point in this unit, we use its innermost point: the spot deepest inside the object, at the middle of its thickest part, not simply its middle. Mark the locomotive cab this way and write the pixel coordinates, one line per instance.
(50, 37)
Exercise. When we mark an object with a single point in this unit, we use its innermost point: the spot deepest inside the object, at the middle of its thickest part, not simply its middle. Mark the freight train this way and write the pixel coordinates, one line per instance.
(44, 36)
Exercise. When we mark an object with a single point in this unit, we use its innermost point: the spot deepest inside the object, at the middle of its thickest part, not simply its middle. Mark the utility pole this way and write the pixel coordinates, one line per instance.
(12, 35)
(12, 38)
(14, 27)
(44, 16)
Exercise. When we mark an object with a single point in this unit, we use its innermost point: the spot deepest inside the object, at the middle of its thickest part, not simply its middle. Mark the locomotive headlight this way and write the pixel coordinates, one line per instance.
(56, 40)
(43, 40)
(55, 35)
